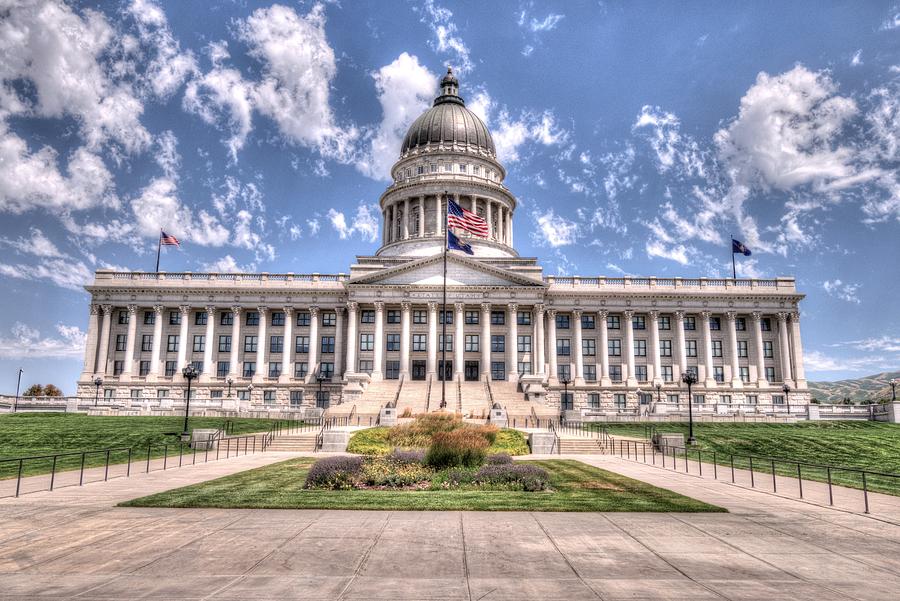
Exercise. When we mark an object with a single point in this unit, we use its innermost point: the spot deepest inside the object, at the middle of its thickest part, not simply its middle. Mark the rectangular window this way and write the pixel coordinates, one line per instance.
(639, 322)
(174, 318)
(144, 368)
(301, 344)
(199, 343)
(523, 318)
(392, 370)
(471, 343)
(716, 348)
(276, 344)
(146, 343)
(562, 321)
(326, 370)
(135, 393)
(673, 398)
(250, 343)
(690, 323)
(449, 343)
(274, 369)
(692, 369)
(498, 318)
(393, 316)
(593, 401)
(613, 322)
(614, 347)
(226, 319)
(277, 318)
(742, 348)
(303, 318)
(699, 399)
(329, 319)
(420, 342)
(498, 343)
(640, 373)
(366, 366)
(665, 323)
(615, 373)
(367, 316)
(498, 371)
(778, 399)
(162, 393)
(149, 318)
(224, 344)
(249, 369)
(715, 323)
(740, 324)
(120, 342)
(200, 318)
(222, 369)
(620, 401)
(590, 372)
(252, 318)
(589, 347)
(587, 322)
(665, 348)
(640, 348)
(170, 368)
(243, 395)
(745, 374)
(690, 347)
(768, 349)
(564, 372)
(445, 316)
(392, 342)
(563, 347)
(172, 343)
(123, 317)
(752, 399)
(296, 398)
(765, 324)
(327, 345)
(524, 367)
(770, 374)
(420, 317)
(268, 396)
(524, 344)
(666, 373)
(366, 342)
(719, 374)
(118, 366)
(301, 369)
(471, 317)
(725, 399)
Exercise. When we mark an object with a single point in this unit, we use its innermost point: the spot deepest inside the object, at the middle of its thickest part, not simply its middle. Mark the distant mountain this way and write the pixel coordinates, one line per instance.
(868, 388)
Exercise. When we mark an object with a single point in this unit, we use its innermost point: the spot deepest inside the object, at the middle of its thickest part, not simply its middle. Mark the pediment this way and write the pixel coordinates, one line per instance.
(461, 271)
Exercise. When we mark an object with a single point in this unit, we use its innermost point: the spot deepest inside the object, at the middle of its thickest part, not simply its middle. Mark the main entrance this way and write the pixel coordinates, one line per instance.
(418, 370)
(471, 371)
(445, 370)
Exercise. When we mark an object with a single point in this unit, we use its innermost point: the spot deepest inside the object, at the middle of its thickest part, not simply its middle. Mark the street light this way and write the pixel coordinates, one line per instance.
(19, 381)
(658, 390)
(787, 397)
(893, 389)
(189, 373)
(230, 382)
(565, 382)
(98, 382)
(690, 379)
(320, 378)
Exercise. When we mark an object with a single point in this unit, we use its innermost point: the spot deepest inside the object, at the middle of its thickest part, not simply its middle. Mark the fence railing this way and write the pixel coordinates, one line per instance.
(76, 468)
(844, 487)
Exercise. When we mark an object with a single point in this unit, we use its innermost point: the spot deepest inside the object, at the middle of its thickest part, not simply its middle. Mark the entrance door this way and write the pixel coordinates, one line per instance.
(471, 371)
(445, 370)
(418, 370)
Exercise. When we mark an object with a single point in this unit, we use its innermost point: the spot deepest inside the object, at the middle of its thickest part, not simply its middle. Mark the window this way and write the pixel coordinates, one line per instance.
(768, 351)
(149, 318)
(715, 323)
(213, 394)
(645, 398)
(420, 317)
(107, 393)
(303, 318)
(498, 344)
(765, 324)
(445, 317)
(615, 373)
(276, 344)
(274, 369)
(392, 342)
(565, 401)
(162, 393)
(420, 170)
(471, 343)
(690, 347)
(135, 393)
(327, 345)
(523, 318)
(716, 348)
(471, 317)
(144, 368)
(329, 319)
(392, 370)
(523, 344)
(498, 318)
(692, 369)
(393, 316)
(589, 347)
(366, 342)
(462, 168)
(620, 401)
(725, 399)
(296, 398)
(719, 374)
(170, 368)
(243, 395)
(640, 373)
(252, 318)
(563, 347)
(365, 366)
(639, 322)
(640, 348)
(740, 324)
(200, 318)
(278, 318)
(120, 342)
(590, 372)
(174, 318)
(690, 323)
(199, 343)
(250, 343)
(146, 343)
(666, 373)
(770, 374)
(752, 399)
(699, 399)
(224, 344)
(612, 322)
(498, 370)
(449, 343)
(562, 321)
(593, 400)
(524, 367)
(778, 399)
(172, 343)
(587, 322)
(614, 347)
(742, 348)
(222, 369)
(745, 374)
(301, 368)
(123, 317)
(665, 348)
(301, 344)
(673, 398)
(564, 372)
(420, 342)
(198, 366)
(249, 369)
(434, 167)
(665, 323)
(118, 366)
(226, 319)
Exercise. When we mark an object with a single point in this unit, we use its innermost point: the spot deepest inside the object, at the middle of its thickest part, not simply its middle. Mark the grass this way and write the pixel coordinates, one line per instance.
(374, 441)
(871, 446)
(575, 487)
(28, 434)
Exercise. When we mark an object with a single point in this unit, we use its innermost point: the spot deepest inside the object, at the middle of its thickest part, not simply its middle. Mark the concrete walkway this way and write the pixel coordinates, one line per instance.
(74, 544)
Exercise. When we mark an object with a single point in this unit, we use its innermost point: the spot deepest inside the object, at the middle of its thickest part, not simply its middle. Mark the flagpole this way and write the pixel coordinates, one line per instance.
(443, 368)
(733, 266)
(158, 248)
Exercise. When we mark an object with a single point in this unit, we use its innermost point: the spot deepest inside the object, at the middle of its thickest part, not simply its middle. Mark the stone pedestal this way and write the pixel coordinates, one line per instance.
(334, 441)
(542, 443)
(499, 418)
(388, 416)
(812, 412)
(202, 438)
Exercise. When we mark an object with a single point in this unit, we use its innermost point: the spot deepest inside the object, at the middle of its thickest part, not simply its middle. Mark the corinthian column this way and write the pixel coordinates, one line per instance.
(761, 381)
(784, 349)
(538, 346)
(104, 340)
(710, 381)
(797, 346)
(262, 370)
(128, 368)
(736, 382)
(459, 343)
(551, 344)
(313, 344)
(604, 348)
(378, 357)
(235, 342)
(512, 345)
(157, 341)
(486, 340)
(287, 348)
(352, 342)
(431, 366)
(680, 356)
(654, 342)
(404, 339)
(90, 343)
(630, 380)
(579, 357)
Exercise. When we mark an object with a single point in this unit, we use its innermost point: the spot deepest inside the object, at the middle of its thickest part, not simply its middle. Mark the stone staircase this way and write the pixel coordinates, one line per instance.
(413, 397)
(474, 399)
(583, 446)
(298, 443)
(518, 409)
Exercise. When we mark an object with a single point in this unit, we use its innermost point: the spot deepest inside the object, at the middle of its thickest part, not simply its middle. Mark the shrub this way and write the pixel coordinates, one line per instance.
(498, 459)
(404, 457)
(456, 477)
(510, 441)
(371, 441)
(464, 447)
(513, 476)
(384, 472)
(334, 473)
(407, 412)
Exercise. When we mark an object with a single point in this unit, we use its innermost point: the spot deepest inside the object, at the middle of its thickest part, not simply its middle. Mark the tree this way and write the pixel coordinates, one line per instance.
(34, 390)
(51, 390)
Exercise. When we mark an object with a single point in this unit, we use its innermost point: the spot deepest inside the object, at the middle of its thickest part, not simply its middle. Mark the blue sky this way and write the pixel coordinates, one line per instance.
(637, 136)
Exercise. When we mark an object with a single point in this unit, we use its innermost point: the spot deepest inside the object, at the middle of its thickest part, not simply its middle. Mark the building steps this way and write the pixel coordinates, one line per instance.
(299, 443)
(413, 397)
(474, 399)
(582, 446)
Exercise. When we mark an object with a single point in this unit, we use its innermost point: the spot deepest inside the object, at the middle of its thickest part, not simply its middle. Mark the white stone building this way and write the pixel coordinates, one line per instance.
(514, 336)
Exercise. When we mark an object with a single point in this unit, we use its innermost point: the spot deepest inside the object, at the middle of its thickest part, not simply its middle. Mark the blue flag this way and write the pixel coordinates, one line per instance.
(738, 247)
(454, 243)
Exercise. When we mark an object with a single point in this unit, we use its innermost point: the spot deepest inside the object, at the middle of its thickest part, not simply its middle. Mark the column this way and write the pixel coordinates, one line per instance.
(378, 358)
(431, 366)
(604, 347)
(314, 343)
(680, 357)
(459, 342)
(287, 371)
(103, 354)
(797, 347)
(628, 351)
(405, 220)
(404, 340)
(184, 312)
(208, 341)
(384, 226)
(761, 381)
(490, 218)
(733, 351)
(157, 340)
(509, 234)
(262, 370)
(90, 343)
(422, 216)
(512, 345)
(538, 343)
(654, 343)
(784, 348)
(707, 349)
(551, 344)
(128, 368)
(438, 216)
(501, 224)
(486, 340)
(233, 370)
(474, 205)
(352, 341)
(338, 345)
(579, 357)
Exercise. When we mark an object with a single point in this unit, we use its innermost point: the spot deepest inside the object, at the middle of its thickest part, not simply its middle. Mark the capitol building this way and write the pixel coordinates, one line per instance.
(354, 342)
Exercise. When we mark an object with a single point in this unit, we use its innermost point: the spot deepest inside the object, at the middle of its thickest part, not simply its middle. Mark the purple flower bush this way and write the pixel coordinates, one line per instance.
(334, 473)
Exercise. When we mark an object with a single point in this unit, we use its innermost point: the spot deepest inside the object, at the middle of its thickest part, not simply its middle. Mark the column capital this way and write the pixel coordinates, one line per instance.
(459, 306)
(539, 308)
(782, 316)
(107, 309)
(210, 311)
(352, 306)
(576, 313)
(513, 308)
(262, 309)
(379, 306)
(551, 313)
(288, 311)
(432, 306)
(236, 309)
(730, 315)
(132, 309)
(405, 305)
(795, 316)
(756, 315)
(184, 309)
(679, 315)
(485, 307)
(158, 309)
(95, 309)
(313, 311)
(628, 313)
(603, 314)
(339, 310)
(705, 315)
(654, 315)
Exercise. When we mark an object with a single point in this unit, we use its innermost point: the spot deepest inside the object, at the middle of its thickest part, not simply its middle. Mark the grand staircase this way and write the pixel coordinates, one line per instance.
(520, 411)
(413, 398)
(474, 400)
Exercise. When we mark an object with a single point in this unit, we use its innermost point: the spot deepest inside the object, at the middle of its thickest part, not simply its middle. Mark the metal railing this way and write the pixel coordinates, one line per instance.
(842, 485)
(117, 462)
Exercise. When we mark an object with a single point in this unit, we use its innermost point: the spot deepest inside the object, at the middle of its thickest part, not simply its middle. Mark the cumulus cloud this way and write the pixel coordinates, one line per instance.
(37, 244)
(227, 264)
(446, 38)
(546, 24)
(63, 272)
(25, 342)
(167, 67)
(554, 230)
(511, 132)
(673, 150)
(365, 224)
(842, 290)
(159, 207)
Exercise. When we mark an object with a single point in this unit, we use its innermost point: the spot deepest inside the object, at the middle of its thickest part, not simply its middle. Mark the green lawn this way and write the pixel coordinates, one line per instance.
(28, 434)
(853, 444)
(373, 441)
(575, 487)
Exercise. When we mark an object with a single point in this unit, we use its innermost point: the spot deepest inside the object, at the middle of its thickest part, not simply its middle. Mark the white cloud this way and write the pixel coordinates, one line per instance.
(365, 224)
(817, 362)
(511, 133)
(26, 342)
(227, 264)
(674, 252)
(856, 59)
(169, 67)
(893, 21)
(673, 150)
(548, 23)
(167, 156)
(446, 41)
(554, 230)
(842, 290)
(223, 95)
(158, 207)
(63, 272)
(37, 245)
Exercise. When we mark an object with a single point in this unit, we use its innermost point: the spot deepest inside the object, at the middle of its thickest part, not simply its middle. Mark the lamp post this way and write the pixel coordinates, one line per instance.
(19, 382)
(250, 393)
(230, 382)
(893, 383)
(319, 379)
(658, 391)
(189, 373)
(787, 397)
(690, 379)
(565, 382)
(98, 382)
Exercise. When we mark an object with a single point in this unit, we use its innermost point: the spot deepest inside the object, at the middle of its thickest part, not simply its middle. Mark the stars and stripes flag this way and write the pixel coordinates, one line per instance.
(463, 219)
(168, 239)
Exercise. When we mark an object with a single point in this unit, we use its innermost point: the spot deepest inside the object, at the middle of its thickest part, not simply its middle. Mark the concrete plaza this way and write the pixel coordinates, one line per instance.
(73, 543)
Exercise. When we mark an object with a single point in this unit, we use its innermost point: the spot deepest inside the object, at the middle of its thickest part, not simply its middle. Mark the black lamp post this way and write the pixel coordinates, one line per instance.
(893, 383)
(19, 382)
(690, 379)
(319, 379)
(565, 382)
(658, 391)
(98, 382)
(189, 373)
(787, 397)
(230, 382)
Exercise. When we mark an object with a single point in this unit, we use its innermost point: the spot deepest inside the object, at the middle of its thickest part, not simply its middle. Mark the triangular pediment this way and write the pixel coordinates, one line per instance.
(461, 271)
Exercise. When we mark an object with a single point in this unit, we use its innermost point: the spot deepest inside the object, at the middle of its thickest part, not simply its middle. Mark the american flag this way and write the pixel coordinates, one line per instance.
(167, 239)
(463, 219)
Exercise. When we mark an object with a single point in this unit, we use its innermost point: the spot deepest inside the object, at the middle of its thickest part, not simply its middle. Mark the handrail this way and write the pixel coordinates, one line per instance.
(555, 444)
(428, 395)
